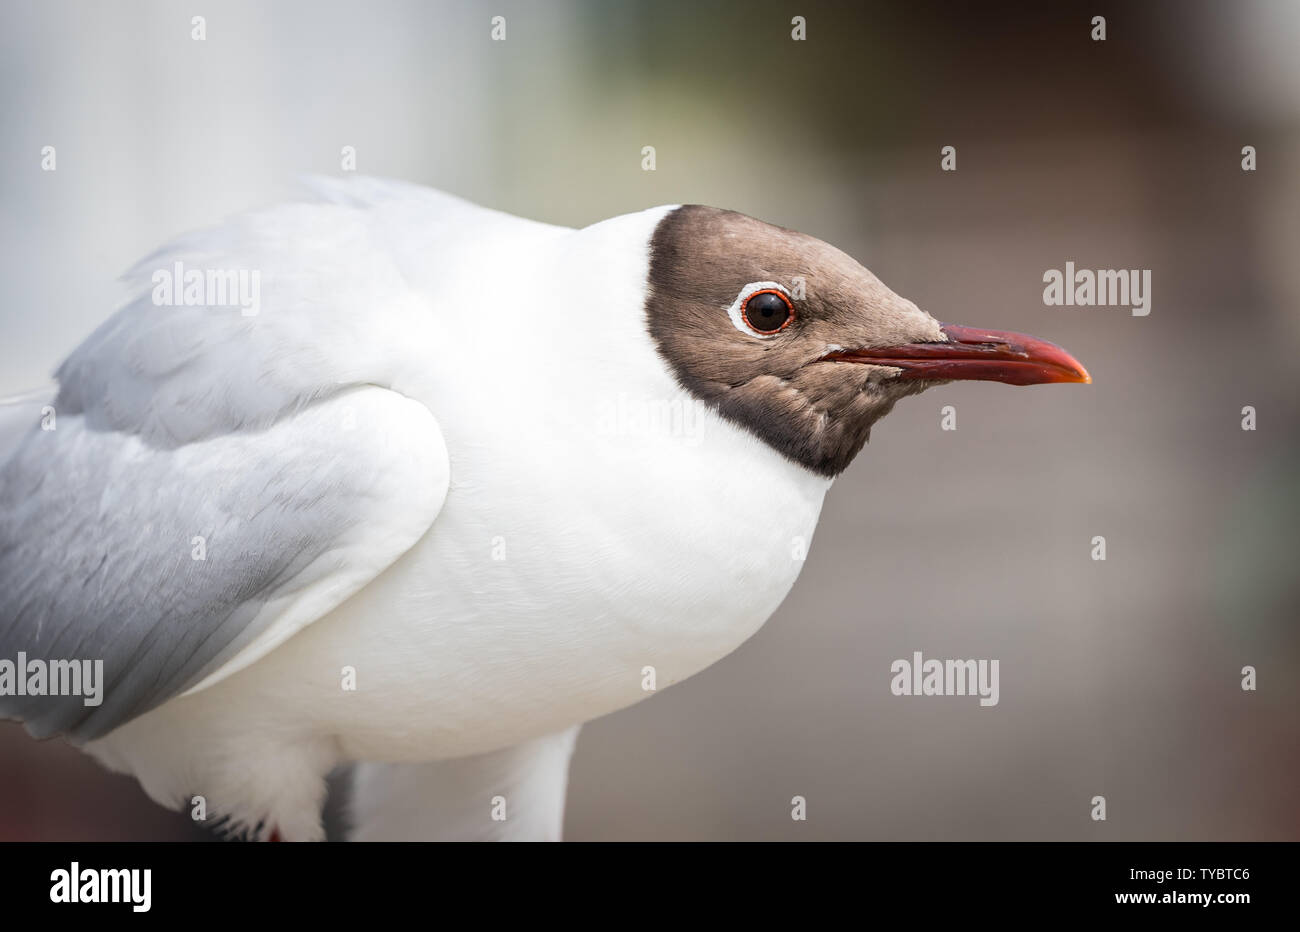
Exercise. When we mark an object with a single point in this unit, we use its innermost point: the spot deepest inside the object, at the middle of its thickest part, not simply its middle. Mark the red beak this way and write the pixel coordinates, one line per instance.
(969, 353)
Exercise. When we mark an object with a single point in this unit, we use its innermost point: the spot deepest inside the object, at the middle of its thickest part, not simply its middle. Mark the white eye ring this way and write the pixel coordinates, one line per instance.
(737, 310)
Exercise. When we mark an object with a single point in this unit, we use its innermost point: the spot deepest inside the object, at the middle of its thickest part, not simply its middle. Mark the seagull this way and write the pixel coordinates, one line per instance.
(453, 484)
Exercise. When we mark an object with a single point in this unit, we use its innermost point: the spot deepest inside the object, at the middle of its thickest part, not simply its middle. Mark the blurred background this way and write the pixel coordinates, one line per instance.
(1119, 678)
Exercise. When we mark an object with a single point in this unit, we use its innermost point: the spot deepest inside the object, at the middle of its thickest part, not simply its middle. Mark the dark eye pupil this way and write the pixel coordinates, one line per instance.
(766, 311)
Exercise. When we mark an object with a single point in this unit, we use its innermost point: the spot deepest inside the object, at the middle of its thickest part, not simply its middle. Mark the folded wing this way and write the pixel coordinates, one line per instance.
(208, 480)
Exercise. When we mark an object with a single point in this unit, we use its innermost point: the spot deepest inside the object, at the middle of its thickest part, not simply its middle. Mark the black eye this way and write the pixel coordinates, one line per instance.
(768, 311)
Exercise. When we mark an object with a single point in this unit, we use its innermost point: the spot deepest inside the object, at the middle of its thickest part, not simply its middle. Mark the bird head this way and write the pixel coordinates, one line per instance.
(793, 340)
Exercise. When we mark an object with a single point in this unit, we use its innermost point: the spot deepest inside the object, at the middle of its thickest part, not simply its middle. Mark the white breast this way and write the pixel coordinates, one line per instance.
(512, 622)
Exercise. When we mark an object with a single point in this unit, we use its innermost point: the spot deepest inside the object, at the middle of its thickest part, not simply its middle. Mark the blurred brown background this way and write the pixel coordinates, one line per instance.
(1118, 678)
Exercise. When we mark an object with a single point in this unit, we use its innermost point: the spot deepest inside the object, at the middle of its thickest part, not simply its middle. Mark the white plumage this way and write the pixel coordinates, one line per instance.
(415, 462)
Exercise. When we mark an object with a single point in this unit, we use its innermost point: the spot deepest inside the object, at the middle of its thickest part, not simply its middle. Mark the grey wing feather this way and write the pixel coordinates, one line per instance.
(162, 562)
(270, 442)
